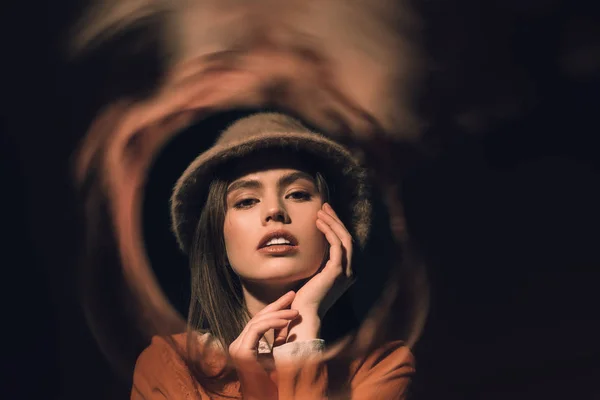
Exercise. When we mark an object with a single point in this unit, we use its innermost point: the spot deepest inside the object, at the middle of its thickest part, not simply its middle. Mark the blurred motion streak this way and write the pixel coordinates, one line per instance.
(347, 67)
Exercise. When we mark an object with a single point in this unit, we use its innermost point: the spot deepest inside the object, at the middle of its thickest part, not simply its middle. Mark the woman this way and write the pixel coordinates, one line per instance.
(269, 257)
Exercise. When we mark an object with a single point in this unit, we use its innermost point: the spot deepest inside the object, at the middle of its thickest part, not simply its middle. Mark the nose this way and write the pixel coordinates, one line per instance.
(275, 212)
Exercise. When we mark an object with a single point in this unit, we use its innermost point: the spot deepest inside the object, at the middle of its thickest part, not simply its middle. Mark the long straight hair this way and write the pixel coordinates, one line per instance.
(217, 305)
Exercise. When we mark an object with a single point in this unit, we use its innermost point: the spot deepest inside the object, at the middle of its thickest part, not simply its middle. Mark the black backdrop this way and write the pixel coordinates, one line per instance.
(508, 218)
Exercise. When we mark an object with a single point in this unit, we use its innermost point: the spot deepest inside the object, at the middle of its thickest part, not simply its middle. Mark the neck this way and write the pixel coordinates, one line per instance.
(258, 296)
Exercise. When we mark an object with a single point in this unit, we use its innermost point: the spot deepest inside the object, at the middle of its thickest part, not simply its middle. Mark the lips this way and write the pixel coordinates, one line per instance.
(278, 234)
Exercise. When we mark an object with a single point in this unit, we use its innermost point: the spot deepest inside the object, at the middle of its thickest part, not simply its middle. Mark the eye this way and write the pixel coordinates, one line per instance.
(299, 195)
(245, 203)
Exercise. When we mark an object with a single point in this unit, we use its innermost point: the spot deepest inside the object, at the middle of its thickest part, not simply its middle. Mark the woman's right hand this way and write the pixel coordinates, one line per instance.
(254, 380)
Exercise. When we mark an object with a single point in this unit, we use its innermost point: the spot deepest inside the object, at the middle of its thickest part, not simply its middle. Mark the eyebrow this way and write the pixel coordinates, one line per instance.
(285, 180)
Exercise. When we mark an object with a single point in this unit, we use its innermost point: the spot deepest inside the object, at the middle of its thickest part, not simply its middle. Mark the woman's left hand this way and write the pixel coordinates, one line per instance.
(321, 291)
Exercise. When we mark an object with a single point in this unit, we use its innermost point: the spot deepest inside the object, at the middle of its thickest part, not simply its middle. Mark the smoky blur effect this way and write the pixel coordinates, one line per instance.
(346, 68)
(478, 118)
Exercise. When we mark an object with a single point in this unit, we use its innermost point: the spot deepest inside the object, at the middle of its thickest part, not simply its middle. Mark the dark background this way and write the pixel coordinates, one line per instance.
(506, 211)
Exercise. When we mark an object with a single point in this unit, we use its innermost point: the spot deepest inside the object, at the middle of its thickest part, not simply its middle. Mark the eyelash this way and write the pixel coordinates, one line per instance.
(304, 196)
(240, 204)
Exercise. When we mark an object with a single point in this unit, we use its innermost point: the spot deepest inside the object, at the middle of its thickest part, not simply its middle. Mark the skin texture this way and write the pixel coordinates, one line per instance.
(288, 295)
(265, 202)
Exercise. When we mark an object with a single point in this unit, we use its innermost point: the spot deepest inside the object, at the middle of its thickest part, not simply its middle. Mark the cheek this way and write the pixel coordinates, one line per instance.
(227, 231)
(239, 239)
(317, 238)
(231, 239)
(319, 250)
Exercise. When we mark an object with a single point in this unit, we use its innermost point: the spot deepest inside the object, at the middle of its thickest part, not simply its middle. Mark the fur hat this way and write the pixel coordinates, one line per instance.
(346, 178)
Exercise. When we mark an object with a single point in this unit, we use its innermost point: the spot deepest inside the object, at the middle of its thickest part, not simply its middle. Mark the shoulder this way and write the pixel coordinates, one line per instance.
(175, 349)
(384, 373)
(162, 367)
(163, 351)
(392, 359)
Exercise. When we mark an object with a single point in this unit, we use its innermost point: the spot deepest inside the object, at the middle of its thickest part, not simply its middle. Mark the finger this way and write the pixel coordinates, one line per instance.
(339, 229)
(280, 314)
(339, 254)
(233, 347)
(278, 304)
(346, 239)
(330, 235)
(281, 336)
(258, 329)
(335, 244)
(329, 210)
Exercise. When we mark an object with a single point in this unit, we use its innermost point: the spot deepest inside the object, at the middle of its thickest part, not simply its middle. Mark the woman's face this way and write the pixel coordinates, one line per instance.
(270, 226)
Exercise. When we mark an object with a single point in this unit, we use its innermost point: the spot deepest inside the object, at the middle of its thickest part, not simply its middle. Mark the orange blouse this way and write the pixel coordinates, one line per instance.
(384, 374)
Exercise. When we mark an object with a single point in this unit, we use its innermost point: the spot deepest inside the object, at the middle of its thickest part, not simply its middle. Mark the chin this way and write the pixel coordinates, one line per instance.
(286, 274)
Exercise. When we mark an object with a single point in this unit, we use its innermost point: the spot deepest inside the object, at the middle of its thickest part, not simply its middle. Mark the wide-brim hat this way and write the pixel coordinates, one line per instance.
(347, 180)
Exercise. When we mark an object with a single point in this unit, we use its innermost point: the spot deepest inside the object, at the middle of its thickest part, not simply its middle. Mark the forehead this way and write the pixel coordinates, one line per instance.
(268, 163)
(274, 174)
